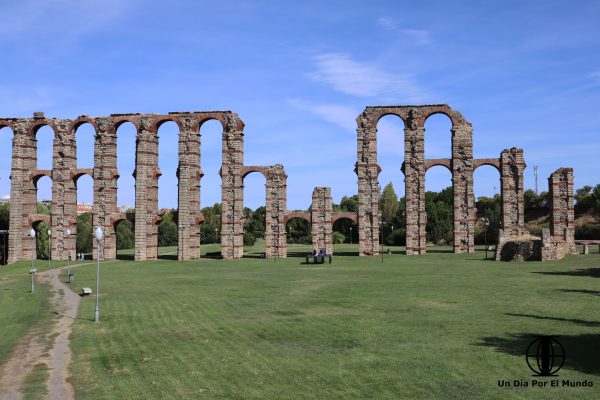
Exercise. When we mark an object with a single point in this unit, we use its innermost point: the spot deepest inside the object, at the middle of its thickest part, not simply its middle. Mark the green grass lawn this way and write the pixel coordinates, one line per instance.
(438, 326)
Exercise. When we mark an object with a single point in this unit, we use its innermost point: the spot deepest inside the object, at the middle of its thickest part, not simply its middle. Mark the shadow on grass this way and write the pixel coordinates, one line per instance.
(585, 291)
(125, 257)
(172, 257)
(591, 272)
(583, 322)
(215, 255)
(440, 251)
(582, 352)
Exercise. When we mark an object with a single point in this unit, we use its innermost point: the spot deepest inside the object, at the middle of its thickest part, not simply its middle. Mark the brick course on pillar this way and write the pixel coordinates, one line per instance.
(512, 220)
(559, 240)
(462, 184)
(275, 209)
(414, 183)
(367, 171)
(321, 219)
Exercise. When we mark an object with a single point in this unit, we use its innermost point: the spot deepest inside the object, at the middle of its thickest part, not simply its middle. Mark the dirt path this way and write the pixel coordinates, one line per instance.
(33, 348)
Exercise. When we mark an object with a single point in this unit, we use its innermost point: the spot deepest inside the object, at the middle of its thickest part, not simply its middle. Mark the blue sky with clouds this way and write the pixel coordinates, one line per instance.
(525, 73)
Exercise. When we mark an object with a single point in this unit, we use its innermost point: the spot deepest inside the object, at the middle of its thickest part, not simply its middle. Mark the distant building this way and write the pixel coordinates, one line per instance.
(125, 208)
(83, 208)
(4, 199)
(47, 203)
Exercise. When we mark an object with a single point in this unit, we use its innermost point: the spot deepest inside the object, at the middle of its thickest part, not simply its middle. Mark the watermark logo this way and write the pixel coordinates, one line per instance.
(545, 356)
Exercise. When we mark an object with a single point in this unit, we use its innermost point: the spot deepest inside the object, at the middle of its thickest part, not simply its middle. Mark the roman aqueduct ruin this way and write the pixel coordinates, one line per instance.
(555, 242)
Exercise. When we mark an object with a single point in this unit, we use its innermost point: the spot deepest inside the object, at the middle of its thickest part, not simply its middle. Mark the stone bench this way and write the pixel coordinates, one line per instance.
(317, 259)
(586, 245)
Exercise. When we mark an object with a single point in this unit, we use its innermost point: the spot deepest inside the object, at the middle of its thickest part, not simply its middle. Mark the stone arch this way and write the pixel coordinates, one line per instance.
(414, 169)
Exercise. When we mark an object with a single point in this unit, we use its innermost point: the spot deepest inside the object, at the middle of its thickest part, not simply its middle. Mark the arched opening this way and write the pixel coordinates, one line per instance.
(486, 186)
(126, 158)
(124, 232)
(84, 185)
(254, 214)
(168, 193)
(211, 133)
(6, 137)
(345, 237)
(45, 147)
(390, 156)
(42, 242)
(439, 207)
(299, 237)
(438, 136)
(85, 139)
(43, 185)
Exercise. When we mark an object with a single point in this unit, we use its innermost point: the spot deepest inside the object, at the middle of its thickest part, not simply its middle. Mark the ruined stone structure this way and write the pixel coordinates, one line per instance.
(414, 167)
(556, 242)
(64, 176)
(559, 240)
(321, 213)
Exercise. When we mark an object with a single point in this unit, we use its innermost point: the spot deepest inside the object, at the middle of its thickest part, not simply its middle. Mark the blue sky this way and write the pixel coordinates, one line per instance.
(525, 73)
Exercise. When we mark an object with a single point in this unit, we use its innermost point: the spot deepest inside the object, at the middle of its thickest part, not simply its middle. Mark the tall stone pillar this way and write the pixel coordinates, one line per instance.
(414, 178)
(146, 191)
(105, 185)
(23, 194)
(512, 165)
(275, 236)
(462, 184)
(562, 211)
(188, 175)
(232, 188)
(367, 171)
(64, 192)
(321, 214)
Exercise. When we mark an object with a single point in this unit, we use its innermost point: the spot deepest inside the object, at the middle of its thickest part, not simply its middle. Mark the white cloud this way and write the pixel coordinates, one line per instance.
(418, 36)
(595, 76)
(342, 116)
(363, 79)
(387, 23)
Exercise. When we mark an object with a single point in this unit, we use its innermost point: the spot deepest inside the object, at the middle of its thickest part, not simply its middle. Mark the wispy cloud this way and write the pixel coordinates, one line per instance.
(58, 20)
(418, 36)
(595, 76)
(336, 114)
(362, 79)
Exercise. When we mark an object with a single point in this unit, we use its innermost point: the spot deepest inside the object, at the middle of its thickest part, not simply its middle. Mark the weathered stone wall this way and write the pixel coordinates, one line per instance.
(105, 174)
(367, 170)
(322, 219)
(559, 240)
(414, 168)
(512, 165)
(275, 210)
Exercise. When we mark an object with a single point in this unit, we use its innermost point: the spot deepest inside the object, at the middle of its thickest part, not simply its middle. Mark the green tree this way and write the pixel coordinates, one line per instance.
(125, 235)
(41, 239)
(84, 233)
(167, 231)
(388, 203)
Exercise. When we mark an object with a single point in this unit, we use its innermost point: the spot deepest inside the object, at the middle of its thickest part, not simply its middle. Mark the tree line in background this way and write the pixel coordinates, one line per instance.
(393, 232)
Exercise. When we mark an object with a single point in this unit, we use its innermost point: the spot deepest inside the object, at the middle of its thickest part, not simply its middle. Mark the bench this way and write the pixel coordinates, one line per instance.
(586, 245)
(318, 259)
(86, 291)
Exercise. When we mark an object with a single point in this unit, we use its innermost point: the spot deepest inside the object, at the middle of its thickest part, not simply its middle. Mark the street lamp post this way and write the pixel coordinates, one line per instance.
(350, 235)
(99, 237)
(381, 239)
(49, 248)
(68, 236)
(486, 224)
(216, 235)
(32, 272)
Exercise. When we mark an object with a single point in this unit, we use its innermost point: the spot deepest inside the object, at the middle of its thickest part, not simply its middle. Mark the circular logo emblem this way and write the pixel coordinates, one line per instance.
(545, 356)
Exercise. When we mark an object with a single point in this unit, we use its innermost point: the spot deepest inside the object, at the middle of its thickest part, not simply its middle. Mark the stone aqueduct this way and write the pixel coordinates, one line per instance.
(555, 242)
